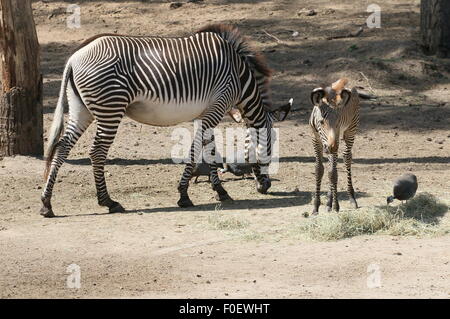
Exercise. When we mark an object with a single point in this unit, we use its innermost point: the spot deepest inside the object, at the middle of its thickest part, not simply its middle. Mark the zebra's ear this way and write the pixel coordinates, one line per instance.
(346, 94)
(235, 115)
(282, 112)
(317, 95)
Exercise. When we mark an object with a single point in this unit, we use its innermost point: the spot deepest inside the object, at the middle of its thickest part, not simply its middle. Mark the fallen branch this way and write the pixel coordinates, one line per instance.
(355, 34)
(272, 36)
(368, 82)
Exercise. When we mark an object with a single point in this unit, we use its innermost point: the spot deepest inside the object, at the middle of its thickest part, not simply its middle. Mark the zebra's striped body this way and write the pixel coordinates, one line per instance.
(334, 112)
(162, 82)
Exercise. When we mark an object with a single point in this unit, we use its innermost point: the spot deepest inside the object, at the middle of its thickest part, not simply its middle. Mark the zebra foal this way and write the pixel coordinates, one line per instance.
(335, 110)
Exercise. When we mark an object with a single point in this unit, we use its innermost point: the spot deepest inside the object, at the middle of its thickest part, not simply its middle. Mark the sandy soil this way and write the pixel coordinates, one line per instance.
(159, 250)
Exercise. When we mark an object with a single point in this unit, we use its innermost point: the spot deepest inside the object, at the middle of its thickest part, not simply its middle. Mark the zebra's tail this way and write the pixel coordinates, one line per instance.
(58, 121)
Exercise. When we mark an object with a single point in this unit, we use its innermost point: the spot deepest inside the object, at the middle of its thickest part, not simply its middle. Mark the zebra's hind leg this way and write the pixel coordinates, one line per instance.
(349, 139)
(333, 177)
(222, 194)
(262, 178)
(106, 132)
(319, 170)
(65, 144)
(79, 120)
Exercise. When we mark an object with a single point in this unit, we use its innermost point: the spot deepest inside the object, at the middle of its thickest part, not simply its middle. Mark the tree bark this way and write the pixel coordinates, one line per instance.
(435, 27)
(21, 122)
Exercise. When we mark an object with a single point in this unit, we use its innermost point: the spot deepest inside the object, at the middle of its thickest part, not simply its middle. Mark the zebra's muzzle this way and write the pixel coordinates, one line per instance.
(332, 143)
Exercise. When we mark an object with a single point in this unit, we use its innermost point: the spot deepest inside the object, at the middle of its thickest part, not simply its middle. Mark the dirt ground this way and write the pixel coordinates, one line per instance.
(158, 250)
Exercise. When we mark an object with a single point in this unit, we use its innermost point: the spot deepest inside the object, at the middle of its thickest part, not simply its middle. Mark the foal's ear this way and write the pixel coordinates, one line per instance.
(317, 95)
(235, 115)
(346, 94)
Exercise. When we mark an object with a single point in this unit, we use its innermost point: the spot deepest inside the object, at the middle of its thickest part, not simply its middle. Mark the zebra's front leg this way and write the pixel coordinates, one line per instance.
(104, 137)
(262, 179)
(319, 170)
(183, 186)
(333, 203)
(258, 153)
(216, 183)
(208, 122)
(194, 157)
(348, 166)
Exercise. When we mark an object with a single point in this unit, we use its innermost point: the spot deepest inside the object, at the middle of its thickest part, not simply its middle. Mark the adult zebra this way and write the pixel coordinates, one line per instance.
(162, 82)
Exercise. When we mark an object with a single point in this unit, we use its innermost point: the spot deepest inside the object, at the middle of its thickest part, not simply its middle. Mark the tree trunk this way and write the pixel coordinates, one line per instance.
(435, 27)
(21, 120)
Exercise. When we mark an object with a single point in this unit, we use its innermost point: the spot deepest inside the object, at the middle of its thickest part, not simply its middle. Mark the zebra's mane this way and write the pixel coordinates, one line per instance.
(255, 60)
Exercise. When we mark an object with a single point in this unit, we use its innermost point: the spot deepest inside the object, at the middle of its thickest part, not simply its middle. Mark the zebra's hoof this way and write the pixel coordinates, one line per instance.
(47, 212)
(264, 185)
(354, 203)
(262, 188)
(224, 197)
(116, 208)
(185, 202)
(329, 208)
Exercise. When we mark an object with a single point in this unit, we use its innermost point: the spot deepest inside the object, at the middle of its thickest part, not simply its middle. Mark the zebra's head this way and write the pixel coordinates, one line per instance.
(259, 142)
(253, 101)
(328, 102)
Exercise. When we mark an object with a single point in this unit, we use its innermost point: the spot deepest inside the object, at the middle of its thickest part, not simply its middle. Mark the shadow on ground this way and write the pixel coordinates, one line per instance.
(272, 200)
(288, 159)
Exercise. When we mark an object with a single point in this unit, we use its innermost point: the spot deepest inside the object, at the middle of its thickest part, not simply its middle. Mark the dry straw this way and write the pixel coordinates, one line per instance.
(420, 216)
(220, 221)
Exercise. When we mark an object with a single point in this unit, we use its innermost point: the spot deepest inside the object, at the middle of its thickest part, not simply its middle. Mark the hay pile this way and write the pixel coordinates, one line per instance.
(419, 216)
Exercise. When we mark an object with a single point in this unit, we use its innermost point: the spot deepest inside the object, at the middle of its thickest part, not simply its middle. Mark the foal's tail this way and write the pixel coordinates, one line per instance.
(58, 121)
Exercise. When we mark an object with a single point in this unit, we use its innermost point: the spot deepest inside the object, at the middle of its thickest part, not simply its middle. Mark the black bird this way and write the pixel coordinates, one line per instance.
(237, 169)
(405, 187)
(202, 169)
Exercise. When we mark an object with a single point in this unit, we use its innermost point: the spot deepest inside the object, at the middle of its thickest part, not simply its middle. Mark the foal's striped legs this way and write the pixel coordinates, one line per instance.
(349, 139)
(318, 150)
(332, 203)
